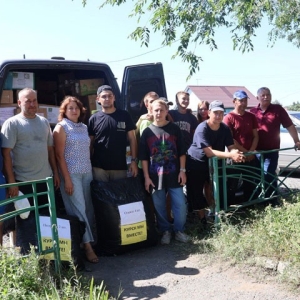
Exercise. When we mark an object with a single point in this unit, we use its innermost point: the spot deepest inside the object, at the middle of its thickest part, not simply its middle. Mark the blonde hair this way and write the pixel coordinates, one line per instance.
(161, 102)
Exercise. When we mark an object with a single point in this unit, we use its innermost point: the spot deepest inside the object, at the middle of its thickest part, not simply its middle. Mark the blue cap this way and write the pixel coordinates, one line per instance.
(240, 95)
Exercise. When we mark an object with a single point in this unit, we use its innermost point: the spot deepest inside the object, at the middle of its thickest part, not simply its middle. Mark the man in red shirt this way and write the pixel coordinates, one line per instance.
(270, 117)
(243, 126)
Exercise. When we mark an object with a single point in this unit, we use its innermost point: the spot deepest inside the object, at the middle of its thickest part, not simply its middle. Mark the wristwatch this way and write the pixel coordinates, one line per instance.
(182, 170)
(135, 160)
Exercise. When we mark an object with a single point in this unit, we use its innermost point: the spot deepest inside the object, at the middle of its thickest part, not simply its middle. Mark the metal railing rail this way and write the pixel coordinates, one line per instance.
(36, 207)
(220, 172)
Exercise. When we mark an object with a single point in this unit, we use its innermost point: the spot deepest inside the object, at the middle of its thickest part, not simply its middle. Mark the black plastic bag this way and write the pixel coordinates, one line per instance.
(107, 198)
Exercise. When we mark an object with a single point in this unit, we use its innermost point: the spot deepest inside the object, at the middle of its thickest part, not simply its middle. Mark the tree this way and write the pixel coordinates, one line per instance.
(193, 22)
(294, 106)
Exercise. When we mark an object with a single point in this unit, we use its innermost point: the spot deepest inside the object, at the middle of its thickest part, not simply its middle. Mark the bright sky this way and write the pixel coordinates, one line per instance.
(46, 28)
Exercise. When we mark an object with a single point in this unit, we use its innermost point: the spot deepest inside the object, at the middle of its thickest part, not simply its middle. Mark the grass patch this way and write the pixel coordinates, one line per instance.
(270, 233)
(31, 278)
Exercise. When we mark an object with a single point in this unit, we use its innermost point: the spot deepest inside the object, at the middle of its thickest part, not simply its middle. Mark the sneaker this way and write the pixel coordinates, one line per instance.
(182, 237)
(166, 238)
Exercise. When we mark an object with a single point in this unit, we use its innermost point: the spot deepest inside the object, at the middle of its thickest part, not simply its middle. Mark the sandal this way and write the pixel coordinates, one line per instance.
(91, 257)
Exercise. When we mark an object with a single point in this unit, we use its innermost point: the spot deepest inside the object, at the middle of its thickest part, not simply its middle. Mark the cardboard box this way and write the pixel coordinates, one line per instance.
(52, 113)
(92, 102)
(41, 111)
(21, 80)
(7, 96)
(87, 87)
(6, 111)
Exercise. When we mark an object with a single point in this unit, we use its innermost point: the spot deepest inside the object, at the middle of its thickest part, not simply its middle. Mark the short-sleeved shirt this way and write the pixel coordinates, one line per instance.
(162, 148)
(110, 139)
(77, 147)
(187, 124)
(29, 140)
(206, 137)
(242, 127)
(269, 122)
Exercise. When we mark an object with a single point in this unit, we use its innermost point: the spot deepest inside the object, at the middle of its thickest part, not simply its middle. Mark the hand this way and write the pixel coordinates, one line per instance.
(13, 191)
(133, 169)
(69, 188)
(182, 178)
(56, 180)
(149, 185)
(250, 157)
(297, 146)
(237, 155)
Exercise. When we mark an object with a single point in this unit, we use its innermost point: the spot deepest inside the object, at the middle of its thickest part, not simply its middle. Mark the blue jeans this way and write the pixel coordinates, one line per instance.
(79, 204)
(270, 166)
(178, 208)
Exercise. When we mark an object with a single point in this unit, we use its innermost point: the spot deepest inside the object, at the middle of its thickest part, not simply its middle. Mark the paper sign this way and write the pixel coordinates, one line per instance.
(133, 223)
(133, 233)
(132, 213)
(64, 234)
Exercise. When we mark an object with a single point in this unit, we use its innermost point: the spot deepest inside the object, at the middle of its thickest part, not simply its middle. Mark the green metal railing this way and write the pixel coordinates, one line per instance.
(220, 172)
(36, 207)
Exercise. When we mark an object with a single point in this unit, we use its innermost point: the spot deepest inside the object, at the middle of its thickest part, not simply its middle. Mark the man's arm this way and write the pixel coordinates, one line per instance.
(9, 172)
(52, 162)
(92, 140)
(294, 134)
(148, 182)
(133, 149)
(182, 174)
(233, 153)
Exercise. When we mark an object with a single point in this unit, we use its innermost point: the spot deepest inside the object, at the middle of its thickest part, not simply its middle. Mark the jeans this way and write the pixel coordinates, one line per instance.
(178, 208)
(79, 204)
(270, 165)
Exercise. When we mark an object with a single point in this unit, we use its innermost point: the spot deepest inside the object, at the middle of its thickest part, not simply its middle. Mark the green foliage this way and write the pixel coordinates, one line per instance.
(270, 233)
(294, 106)
(194, 22)
(30, 278)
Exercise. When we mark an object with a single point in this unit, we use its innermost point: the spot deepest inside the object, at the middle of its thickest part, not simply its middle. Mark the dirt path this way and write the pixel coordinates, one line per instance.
(169, 273)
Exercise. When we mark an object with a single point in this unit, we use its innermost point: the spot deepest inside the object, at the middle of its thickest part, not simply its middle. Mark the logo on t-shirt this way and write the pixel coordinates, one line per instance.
(184, 126)
(121, 126)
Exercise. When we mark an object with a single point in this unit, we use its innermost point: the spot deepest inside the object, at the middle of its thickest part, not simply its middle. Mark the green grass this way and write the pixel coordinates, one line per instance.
(246, 235)
(30, 278)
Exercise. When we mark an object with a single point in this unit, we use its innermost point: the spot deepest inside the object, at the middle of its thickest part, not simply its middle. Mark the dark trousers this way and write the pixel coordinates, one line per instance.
(26, 228)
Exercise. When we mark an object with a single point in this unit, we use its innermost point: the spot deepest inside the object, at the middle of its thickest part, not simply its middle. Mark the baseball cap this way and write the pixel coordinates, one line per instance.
(164, 99)
(216, 105)
(240, 95)
(104, 88)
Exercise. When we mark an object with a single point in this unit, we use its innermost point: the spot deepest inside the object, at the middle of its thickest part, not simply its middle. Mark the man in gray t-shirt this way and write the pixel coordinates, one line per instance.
(27, 148)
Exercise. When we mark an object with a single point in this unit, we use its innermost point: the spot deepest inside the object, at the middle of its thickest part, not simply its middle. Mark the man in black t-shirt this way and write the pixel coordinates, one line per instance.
(109, 130)
(210, 139)
(184, 118)
(162, 153)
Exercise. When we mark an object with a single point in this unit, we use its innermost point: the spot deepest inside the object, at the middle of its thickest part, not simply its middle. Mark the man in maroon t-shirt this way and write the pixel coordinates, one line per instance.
(270, 117)
(243, 126)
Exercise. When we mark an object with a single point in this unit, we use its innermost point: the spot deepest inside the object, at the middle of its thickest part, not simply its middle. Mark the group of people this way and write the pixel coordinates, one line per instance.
(172, 151)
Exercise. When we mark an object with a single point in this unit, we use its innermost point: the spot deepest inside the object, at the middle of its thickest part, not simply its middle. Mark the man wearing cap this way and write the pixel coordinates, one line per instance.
(270, 117)
(210, 139)
(243, 126)
(184, 118)
(109, 130)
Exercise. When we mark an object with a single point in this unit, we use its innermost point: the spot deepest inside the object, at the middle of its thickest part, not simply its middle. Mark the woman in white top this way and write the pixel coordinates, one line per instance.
(72, 152)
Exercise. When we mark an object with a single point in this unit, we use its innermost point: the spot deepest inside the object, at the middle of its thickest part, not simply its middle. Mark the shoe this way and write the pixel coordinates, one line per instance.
(91, 257)
(182, 237)
(166, 238)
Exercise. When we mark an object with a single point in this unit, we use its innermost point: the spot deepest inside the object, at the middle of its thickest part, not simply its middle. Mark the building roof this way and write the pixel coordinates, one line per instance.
(222, 93)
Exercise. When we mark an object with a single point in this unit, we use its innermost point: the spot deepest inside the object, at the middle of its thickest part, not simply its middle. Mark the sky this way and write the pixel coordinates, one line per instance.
(46, 28)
